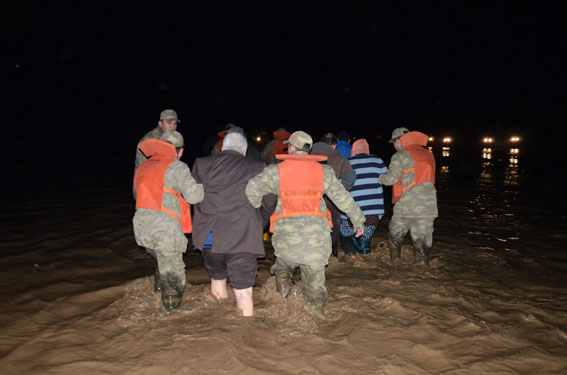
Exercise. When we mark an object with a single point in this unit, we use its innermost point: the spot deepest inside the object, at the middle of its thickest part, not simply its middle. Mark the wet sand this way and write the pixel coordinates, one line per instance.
(77, 296)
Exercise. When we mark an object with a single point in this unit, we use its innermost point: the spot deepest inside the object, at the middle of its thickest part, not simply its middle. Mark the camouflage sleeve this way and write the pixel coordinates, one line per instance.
(183, 182)
(267, 150)
(342, 198)
(268, 181)
(394, 170)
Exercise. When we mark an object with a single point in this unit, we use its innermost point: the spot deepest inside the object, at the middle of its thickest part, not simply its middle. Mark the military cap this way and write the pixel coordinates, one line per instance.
(173, 137)
(397, 133)
(299, 139)
(168, 114)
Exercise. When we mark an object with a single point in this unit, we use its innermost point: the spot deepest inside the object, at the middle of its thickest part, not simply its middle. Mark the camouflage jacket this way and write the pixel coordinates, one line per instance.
(303, 239)
(140, 157)
(158, 230)
(419, 200)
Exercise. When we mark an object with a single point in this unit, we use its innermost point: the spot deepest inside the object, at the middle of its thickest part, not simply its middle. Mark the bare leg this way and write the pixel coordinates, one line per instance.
(244, 301)
(218, 289)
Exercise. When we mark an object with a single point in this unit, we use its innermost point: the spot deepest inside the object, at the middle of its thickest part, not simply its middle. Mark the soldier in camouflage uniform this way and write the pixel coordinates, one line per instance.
(304, 240)
(416, 209)
(275, 146)
(161, 233)
(167, 122)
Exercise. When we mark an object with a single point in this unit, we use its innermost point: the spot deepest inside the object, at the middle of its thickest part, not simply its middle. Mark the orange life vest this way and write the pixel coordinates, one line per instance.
(301, 187)
(149, 181)
(279, 146)
(279, 137)
(221, 138)
(423, 163)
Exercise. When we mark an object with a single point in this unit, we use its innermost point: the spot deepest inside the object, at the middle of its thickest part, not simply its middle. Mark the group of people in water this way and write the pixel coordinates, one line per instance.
(311, 196)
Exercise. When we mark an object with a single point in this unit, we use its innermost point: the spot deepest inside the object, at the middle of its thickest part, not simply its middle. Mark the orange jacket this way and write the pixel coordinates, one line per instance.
(221, 138)
(423, 163)
(301, 187)
(149, 184)
(279, 146)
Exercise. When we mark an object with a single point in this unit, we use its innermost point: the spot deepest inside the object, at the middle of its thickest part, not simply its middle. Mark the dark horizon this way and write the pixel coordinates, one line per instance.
(106, 70)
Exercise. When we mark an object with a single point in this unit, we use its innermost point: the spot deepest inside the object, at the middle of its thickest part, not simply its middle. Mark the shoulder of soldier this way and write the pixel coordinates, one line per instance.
(155, 133)
(177, 166)
(403, 157)
(400, 155)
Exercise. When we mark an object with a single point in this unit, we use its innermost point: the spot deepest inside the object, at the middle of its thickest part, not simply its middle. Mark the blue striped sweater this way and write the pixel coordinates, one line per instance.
(366, 191)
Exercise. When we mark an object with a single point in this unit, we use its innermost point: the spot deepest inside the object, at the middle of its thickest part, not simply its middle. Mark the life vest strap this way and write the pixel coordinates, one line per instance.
(294, 213)
(311, 196)
(407, 187)
(168, 211)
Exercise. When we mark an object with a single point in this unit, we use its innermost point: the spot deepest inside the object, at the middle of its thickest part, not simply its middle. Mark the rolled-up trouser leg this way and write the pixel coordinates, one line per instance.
(284, 271)
(172, 274)
(313, 277)
(398, 229)
(421, 231)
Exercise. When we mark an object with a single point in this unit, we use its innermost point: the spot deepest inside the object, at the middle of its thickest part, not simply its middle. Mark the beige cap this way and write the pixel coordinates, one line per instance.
(299, 139)
(173, 137)
(397, 133)
(168, 114)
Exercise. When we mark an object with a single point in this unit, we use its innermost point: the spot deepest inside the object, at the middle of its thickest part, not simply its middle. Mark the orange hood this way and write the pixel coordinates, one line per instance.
(282, 134)
(155, 146)
(414, 138)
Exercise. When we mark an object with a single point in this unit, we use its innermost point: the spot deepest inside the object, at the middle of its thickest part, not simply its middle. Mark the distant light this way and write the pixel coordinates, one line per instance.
(17, 66)
(488, 139)
(447, 140)
(514, 151)
(515, 139)
(258, 139)
(430, 139)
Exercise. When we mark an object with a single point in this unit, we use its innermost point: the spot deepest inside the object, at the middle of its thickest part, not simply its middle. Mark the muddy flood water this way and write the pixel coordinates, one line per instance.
(77, 296)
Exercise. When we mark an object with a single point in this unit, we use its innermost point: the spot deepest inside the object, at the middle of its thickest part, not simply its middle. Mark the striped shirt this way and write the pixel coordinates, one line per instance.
(367, 191)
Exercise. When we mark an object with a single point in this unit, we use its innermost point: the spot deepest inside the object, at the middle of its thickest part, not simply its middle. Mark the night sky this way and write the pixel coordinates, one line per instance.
(96, 75)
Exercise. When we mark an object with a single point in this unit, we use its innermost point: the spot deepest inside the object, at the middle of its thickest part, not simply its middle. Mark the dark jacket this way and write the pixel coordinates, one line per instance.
(237, 226)
(340, 164)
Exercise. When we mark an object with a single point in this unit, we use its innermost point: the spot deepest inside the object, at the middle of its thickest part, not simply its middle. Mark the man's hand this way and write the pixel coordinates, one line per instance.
(359, 232)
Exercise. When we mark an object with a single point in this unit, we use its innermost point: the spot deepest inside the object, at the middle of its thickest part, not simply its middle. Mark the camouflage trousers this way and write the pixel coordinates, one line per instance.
(420, 228)
(170, 262)
(312, 277)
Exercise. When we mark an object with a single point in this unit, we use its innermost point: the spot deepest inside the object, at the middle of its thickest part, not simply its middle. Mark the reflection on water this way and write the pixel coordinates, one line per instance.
(446, 151)
(494, 186)
(511, 174)
(514, 152)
